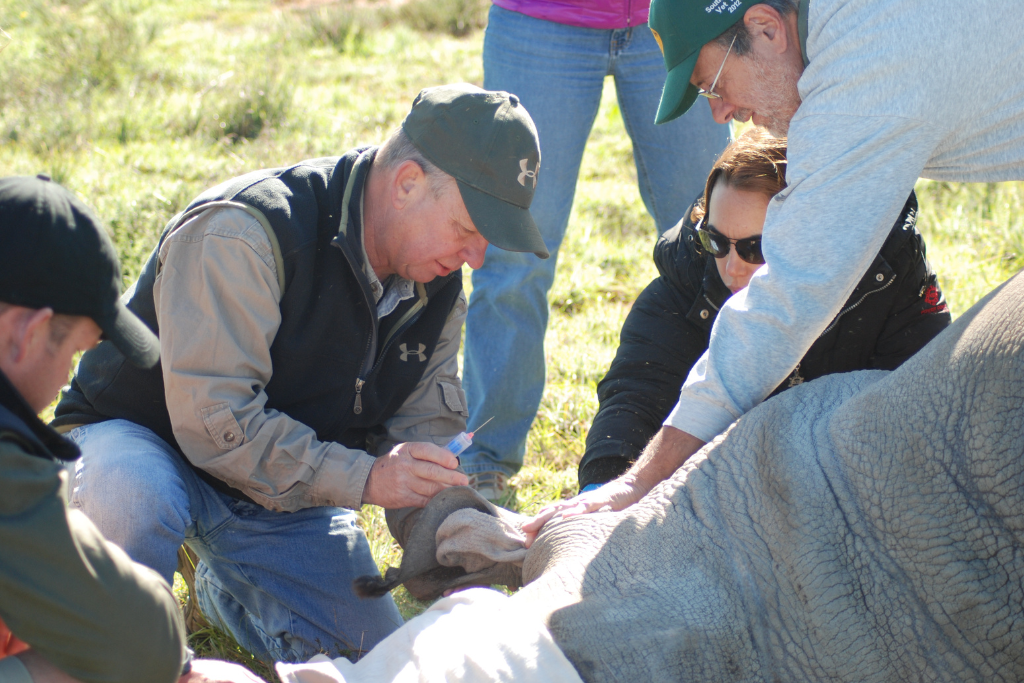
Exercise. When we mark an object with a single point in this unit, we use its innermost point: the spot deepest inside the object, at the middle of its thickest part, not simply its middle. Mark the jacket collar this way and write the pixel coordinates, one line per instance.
(712, 296)
(350, 226)
(17, 416)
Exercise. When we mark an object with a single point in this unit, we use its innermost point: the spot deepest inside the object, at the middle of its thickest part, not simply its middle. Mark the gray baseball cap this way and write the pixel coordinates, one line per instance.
(487, 141)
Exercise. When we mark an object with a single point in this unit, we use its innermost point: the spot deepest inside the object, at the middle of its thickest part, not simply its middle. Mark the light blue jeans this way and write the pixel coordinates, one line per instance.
(279, 582)
(558, 72)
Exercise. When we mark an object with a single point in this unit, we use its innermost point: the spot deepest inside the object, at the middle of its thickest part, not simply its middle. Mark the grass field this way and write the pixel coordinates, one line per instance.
(138, 105)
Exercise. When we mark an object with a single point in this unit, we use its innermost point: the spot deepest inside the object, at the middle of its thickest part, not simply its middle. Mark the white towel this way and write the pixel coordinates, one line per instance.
(477, 541)
(478, 635)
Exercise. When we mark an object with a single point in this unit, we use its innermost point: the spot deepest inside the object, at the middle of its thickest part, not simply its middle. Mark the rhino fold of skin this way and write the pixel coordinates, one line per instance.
(861, 527)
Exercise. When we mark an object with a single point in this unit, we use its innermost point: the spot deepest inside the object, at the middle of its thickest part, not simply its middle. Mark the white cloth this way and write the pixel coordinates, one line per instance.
(475, 541)
(474, 636)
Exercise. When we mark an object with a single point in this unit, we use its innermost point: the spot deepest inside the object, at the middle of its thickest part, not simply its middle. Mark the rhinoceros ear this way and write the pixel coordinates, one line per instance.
(424, 576)
(401, 522)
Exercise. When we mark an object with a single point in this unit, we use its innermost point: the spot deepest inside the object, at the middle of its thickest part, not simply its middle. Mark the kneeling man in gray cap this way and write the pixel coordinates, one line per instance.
(309, 320)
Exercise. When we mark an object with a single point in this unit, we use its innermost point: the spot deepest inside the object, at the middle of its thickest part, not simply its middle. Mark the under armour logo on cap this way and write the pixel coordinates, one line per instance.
(488, 143)
(527, 173)
(422, 357)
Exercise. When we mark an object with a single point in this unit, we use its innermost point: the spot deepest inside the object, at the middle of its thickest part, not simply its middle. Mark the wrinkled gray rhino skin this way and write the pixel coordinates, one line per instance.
(862, 527)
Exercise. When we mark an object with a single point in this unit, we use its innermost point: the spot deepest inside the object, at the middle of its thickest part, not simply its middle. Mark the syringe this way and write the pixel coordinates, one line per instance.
(464, 439)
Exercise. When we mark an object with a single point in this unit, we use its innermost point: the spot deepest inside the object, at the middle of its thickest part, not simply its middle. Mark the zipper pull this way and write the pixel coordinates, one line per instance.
(358, 408)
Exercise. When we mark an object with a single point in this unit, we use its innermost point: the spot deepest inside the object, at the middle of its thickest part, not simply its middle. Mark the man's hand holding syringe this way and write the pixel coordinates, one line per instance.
(413, 473)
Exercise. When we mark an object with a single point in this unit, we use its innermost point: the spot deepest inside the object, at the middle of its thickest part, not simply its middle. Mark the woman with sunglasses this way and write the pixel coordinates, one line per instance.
(712, 253)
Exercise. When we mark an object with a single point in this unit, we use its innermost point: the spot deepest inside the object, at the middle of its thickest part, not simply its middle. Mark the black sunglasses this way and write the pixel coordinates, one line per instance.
(716, 244)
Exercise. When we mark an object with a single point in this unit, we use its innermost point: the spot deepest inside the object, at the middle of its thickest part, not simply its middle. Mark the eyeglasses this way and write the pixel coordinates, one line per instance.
(716, 244)
(710, 92)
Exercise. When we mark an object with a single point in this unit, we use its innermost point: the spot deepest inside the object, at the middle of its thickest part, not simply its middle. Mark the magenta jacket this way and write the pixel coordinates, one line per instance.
(586, 13)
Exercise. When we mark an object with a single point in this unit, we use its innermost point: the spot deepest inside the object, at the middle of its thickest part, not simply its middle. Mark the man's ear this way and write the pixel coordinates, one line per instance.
(765, 23)
(409, 181)
(22, 328)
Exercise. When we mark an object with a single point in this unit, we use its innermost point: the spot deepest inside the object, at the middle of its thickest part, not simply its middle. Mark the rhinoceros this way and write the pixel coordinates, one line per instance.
(861, 527)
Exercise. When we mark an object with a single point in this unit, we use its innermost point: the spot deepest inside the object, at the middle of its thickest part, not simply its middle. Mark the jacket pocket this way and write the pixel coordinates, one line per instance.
(222, 426)
(452, 395)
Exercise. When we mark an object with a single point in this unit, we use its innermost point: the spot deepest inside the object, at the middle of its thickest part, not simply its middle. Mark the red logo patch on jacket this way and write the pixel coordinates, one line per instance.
(933, 297)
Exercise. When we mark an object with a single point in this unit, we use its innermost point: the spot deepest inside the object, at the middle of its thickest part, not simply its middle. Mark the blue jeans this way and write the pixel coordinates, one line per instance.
(558, 72)
(279, 582)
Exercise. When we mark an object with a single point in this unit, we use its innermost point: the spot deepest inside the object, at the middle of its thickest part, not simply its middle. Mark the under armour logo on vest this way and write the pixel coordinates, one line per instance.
(418, 353)
(527, 173)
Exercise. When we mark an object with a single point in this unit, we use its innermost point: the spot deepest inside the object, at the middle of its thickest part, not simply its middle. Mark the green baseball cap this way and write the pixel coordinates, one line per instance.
(682, 28)
(486, 140)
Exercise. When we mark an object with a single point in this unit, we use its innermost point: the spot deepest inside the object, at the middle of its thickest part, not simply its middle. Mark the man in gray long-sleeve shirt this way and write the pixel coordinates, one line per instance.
(873, 95)
(309, 320)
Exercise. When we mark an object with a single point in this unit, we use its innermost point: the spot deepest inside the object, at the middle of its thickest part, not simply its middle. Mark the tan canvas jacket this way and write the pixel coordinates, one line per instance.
(217, 299)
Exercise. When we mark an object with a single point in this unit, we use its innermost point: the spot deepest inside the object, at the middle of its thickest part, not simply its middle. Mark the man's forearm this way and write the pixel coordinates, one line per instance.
(666, 452)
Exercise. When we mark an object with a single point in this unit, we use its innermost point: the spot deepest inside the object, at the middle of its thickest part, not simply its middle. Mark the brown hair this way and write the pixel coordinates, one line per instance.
(753, 162)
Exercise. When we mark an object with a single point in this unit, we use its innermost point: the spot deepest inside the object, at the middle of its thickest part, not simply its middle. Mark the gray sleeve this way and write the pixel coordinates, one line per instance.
(217, 299)
(75, 598)
(436, 409)
(848, 179)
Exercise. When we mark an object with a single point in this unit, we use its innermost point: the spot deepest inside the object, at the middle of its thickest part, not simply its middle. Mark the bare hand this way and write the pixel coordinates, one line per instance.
(669, 449)
(212, 671)
(410, 475)
(617, 494)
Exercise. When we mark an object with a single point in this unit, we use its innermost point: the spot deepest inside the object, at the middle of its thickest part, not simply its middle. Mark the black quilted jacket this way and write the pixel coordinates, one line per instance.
(895, 310)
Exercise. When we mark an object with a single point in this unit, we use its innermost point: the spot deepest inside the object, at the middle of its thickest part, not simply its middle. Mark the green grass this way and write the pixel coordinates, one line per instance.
(138, 105)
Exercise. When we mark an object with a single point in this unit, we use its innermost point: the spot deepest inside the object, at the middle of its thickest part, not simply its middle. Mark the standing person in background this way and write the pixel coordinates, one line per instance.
(555, 56)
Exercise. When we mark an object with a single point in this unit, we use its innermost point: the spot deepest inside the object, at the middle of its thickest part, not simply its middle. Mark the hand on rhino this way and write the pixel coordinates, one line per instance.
(862, 527)
(666, 452)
